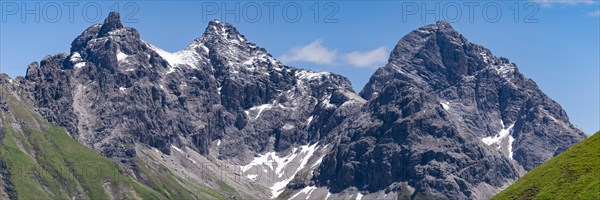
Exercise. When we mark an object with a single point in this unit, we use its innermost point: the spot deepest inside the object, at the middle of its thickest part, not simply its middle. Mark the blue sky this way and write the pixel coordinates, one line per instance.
(555, 43)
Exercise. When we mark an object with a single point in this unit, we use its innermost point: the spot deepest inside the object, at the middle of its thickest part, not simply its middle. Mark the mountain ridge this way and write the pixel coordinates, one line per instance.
(439, 88)
(289, 132)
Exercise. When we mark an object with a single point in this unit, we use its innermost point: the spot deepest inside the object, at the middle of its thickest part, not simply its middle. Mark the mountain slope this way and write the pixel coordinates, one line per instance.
(38, 160)
(444, 119)
(221, 101)
(222, 118)
(573, 174)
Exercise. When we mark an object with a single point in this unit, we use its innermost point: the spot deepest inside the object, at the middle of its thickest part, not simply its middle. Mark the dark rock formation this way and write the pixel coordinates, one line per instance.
(113, 90)
(444, 116)
(448, 118)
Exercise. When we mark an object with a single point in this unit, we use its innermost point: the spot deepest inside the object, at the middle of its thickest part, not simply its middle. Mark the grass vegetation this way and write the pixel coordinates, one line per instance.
(39, 160)
(574, 174)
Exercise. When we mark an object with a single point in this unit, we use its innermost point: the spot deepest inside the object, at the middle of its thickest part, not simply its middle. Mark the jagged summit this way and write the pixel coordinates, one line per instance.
(230, 52)
(444, 118)
(436, 56)
(112, 22)
(443, 24)
(105, 42)
(439, 88)
(217, 30)
(218, 34)
(431, 34)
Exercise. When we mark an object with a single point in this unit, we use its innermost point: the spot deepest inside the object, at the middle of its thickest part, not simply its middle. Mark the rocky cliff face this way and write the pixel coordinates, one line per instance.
(222, 97)
(38, 160)
(444, 118)
(115, 89)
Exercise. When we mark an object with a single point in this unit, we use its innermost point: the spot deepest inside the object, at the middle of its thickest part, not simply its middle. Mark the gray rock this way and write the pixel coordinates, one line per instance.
(114, 89)
(428, 112)
(443, 119)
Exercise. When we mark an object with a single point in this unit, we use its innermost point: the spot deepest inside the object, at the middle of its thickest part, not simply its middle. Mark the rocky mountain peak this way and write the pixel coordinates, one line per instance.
(102, 43)
(229, 52)
(444, 118)
(443, 24)
(435, 56)
(428, 36)
(462, 97)
(217, 30)
(112, 22)
(219, 37)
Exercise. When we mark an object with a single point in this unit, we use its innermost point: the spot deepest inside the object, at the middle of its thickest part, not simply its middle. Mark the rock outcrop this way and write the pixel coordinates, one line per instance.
(448, 119)
(443, 119)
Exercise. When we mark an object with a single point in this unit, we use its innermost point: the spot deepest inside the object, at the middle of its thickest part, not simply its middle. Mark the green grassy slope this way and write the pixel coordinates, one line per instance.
(38, 160)
(574, 174)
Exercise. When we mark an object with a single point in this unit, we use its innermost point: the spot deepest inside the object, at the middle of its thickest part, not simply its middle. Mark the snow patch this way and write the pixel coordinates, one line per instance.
(309, 120)
(318, 162)
(504, 69)
(307, 190)
(445, 105)
(552, 118)
(171, 70)
(248, 62)
(278, 187)
(172, 59)
(121, 56)
(80, 65)
(75, 57)
(279, 164)
(308, 75)
(498, 137)
(288, 127)
(252, 176)
(174, 147)
(218, 143)
(122, 88)
(510, 142)
(192, 160)
(205, 48)
(354, 96)
(505, 132)
(259, 109)
(359, 196)
(327, 102)
(485, 57)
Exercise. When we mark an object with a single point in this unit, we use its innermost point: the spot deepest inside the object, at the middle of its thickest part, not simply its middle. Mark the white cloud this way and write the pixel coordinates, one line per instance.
(371, 58)
(594, 13)
(314, 52)
(564, 2)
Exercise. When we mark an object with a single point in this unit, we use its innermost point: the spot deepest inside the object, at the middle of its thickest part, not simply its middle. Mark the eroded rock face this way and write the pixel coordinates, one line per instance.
(114, 89)
(448, 118)
(444, 118)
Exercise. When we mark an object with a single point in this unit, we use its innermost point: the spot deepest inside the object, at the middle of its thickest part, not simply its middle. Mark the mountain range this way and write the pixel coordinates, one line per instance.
(222, 118)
